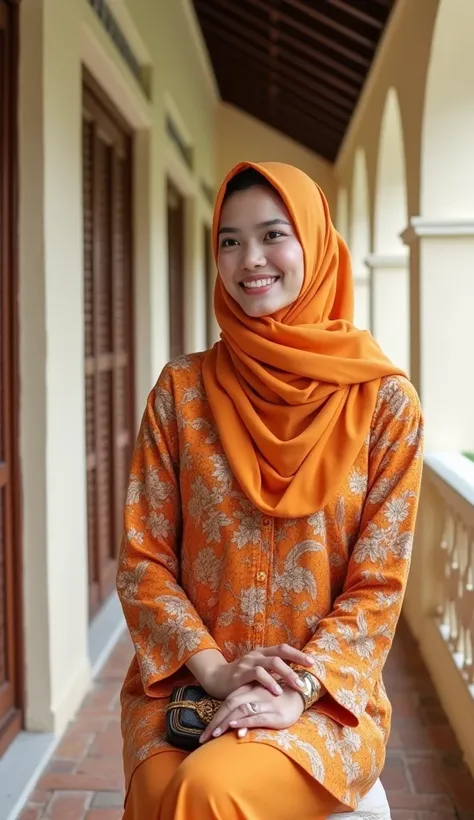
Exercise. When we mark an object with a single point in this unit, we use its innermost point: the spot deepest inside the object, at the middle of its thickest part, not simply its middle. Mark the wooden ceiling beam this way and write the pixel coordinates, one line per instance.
(349, 8)
(305, 134)
(287, 98)
(281, 108)
(333, 117)
(244, 47)
(349, 53)
(221, 64)
(293, 127)
(206, 9)
(323, 19)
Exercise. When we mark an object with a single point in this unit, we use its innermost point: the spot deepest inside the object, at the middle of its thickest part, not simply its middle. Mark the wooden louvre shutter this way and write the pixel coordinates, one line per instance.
(210, 278)
(175, 203)
(10, 587)
(108, 317)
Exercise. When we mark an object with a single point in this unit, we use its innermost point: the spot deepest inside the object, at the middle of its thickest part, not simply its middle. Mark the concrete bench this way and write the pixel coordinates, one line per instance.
(374, 806)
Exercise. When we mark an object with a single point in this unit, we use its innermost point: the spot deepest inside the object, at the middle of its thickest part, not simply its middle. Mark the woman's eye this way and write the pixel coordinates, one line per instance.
(228, 243)
(274, 235)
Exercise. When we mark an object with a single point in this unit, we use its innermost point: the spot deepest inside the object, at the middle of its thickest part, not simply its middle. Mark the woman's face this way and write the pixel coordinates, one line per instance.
(260, 259)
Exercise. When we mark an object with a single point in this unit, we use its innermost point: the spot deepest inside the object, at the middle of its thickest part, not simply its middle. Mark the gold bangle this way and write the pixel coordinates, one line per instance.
(312, 689)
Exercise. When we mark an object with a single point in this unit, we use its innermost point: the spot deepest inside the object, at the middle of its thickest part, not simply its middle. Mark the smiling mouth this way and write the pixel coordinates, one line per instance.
(261, 285)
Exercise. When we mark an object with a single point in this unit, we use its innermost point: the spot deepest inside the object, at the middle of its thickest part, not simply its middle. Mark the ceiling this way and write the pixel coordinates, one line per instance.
(297, 65)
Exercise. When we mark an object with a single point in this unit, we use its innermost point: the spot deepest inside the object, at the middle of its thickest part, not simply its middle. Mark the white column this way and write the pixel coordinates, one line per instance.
(362, 302)
(442, 328)
(52, 406)
(391, 305)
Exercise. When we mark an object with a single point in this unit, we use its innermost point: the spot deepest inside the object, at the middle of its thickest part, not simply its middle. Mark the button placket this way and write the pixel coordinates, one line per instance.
(261, 573)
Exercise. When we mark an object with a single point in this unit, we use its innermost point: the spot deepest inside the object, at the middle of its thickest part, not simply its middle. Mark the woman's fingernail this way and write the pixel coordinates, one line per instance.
(278, 690)
(242, 732)
(299, 682)
(217, 732)
(233, 723)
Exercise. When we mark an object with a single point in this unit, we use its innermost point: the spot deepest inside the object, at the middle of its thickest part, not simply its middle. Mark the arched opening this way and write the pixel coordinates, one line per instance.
(391, 212)
(359, 234)
(447, 169)
(443, 235)
(389, 262)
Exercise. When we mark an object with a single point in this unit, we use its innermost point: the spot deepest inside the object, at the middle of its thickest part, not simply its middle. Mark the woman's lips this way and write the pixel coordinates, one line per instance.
(255, 287)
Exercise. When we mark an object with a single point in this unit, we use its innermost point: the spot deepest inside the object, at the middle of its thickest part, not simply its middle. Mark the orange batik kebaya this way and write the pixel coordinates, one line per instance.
(272, 499)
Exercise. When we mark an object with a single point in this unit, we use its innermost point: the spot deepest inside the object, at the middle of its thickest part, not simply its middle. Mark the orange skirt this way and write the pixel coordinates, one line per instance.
(226, 780)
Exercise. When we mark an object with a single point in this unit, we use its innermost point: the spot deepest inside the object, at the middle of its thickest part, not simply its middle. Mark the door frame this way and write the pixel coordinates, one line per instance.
(9, 255)
(96, 104)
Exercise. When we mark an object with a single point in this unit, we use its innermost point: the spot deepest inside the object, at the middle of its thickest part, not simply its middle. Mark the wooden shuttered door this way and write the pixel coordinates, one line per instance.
(209, 272)
(175, 203)
(10, 586)
(108, 314)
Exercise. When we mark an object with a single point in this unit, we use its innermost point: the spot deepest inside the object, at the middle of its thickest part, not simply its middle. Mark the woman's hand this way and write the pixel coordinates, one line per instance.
(220, 679)
(253, 707)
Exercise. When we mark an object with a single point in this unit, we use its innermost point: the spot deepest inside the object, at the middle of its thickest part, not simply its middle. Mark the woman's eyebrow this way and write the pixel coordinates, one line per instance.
(267, 224)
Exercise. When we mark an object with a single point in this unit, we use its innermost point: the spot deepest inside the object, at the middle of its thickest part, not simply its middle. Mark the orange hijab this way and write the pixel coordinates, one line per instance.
(293, 394)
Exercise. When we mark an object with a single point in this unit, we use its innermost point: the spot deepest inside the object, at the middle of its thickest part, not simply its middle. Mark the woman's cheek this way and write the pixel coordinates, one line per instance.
(225, 273)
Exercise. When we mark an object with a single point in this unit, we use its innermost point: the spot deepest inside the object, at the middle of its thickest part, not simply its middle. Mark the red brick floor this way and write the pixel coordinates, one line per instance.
(424, 775)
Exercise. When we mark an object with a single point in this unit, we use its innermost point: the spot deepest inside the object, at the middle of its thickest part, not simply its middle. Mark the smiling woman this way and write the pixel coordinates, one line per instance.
(260, 258)
(269, 523)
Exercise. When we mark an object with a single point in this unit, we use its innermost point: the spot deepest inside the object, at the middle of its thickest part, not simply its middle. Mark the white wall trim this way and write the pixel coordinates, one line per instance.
(127, 24)
(72, 697)
(178, 171)
(455, 470)
(115, 80)
(437, 228)
(20, 769)
(174, 113)
(379, 260)
(185, 181)
(201, 48)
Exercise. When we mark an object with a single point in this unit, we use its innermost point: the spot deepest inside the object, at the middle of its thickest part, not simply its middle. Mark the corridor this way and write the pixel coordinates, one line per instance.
(424, 775)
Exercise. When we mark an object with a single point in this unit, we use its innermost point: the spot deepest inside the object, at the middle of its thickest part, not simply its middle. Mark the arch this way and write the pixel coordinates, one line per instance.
(342, 213)
(391, 209)
(359, 233)
(447, 170)
(389, 263)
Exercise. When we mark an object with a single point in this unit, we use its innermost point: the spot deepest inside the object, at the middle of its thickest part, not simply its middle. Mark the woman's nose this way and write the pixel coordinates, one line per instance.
(254, 256)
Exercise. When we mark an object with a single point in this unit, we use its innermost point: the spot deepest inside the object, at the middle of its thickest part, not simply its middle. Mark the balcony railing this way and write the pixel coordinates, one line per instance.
(439, 603)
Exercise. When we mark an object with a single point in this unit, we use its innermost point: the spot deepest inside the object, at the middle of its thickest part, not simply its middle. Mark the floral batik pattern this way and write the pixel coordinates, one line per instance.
(201, 568)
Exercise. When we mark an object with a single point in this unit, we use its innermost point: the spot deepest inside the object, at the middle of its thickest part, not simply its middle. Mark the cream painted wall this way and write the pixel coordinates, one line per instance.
(242, 137)
(52, 446)
(57, 39)
(179, 60)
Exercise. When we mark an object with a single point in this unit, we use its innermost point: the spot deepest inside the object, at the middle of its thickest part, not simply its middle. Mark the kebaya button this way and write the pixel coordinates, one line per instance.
(261, 577)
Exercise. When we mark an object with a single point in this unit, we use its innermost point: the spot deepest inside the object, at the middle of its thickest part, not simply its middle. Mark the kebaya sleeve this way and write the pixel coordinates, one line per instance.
(351, 644)
(165, 628)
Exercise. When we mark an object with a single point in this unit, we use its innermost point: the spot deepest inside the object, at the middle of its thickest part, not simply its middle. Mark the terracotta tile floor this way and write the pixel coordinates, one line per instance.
(424, 775)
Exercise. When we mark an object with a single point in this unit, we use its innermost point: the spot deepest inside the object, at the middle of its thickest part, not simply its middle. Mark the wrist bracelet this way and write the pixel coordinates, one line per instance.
(312, 689)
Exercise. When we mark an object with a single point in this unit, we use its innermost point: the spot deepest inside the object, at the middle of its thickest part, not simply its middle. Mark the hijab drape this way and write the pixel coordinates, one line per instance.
(293, 394)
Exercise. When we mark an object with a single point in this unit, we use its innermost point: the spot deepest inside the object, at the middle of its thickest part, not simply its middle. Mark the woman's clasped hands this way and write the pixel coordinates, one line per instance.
(252, 695)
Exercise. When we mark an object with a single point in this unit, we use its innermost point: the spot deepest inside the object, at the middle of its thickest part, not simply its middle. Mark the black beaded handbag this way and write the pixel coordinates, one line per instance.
(188, 713)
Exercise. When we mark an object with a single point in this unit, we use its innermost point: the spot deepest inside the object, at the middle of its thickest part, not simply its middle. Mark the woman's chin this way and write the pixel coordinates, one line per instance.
(257, 311)
(257, 308)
